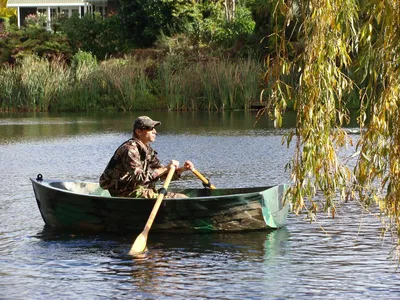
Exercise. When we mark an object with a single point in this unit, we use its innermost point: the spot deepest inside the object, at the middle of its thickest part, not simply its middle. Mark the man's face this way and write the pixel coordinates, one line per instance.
(146, 135)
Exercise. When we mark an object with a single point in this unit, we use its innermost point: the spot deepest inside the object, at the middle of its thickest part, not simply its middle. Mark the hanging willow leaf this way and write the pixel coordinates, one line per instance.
(340, 48)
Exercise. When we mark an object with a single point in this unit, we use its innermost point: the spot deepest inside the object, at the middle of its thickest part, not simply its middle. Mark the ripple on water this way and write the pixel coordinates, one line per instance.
(343, 258)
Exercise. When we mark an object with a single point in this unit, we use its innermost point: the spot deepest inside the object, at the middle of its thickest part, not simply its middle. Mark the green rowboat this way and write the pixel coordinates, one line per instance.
(84, 206)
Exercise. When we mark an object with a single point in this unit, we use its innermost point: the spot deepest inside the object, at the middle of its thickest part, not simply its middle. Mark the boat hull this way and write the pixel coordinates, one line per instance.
(85, 207)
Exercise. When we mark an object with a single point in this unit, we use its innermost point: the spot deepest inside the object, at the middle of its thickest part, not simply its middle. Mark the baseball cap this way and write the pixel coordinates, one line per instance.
(144, 122)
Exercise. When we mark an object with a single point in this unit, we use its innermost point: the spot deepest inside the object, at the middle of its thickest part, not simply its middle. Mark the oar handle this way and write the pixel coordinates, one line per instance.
(203, 179)
(140, 243)
(162, 193)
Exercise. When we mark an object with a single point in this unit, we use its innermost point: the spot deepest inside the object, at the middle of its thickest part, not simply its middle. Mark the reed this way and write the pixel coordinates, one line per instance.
(146, 98)
(129, 84)
(193, 88)
(230, 85)
(185, 89)
(249, 81)
(118, 83)
(224, 83)
(33, 83)
(208, 96)
(9, 89)
(212, 85)
(169, 83)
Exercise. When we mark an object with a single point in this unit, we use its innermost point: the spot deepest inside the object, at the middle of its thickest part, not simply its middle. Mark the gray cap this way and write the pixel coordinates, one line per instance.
(144, 122)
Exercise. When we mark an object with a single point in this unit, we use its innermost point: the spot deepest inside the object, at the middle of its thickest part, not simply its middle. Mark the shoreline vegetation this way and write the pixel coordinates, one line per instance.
(191, 56)
(130, 83)
(204, 61)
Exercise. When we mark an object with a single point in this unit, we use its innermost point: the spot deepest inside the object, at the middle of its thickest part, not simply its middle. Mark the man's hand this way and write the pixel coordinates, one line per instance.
(188, 165)
(174, 163)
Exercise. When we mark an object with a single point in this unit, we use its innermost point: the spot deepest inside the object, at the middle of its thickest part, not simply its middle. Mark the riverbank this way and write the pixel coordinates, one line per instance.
(135, 82)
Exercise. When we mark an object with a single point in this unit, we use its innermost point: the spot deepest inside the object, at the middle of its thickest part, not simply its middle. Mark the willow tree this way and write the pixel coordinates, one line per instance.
(325, 51)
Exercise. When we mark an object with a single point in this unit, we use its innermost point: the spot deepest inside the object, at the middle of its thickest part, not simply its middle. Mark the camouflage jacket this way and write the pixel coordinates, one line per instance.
(131, 167)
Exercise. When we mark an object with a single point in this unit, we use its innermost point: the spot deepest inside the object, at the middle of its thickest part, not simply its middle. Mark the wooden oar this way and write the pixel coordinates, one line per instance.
(140, 243)
(203, 179)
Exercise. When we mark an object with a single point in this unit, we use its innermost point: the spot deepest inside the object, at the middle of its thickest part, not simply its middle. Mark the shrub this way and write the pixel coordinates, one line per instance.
(22, 42)
(217, 30)
(93, 33)
(36, 20)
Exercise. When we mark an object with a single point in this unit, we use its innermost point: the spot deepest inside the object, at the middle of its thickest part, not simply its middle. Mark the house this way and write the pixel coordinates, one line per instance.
(51, 8)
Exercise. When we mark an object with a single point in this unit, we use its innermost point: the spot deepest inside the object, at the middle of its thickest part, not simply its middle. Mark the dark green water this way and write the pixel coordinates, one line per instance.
(344, 258)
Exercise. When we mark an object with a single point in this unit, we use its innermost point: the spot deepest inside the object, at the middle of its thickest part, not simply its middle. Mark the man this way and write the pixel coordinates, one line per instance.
(134, 168)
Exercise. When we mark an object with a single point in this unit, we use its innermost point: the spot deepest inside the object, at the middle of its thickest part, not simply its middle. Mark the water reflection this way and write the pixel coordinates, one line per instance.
(200, 264)
(45, 126)
(267, 244)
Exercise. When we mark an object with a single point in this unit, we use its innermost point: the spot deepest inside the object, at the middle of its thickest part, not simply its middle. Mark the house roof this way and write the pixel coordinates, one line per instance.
(34, 3)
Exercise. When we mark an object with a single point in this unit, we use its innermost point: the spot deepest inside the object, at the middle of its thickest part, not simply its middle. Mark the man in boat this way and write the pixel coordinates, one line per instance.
(134, 168)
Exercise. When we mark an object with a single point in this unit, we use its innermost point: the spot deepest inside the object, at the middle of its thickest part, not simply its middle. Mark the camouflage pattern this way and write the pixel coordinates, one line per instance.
(131, 171)
(144, 122)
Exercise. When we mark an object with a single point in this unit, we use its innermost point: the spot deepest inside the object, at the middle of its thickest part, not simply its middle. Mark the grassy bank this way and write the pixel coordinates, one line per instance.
(128, 84)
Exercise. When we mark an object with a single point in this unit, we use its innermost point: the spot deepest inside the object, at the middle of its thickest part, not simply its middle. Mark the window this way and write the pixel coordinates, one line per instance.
(42, 10)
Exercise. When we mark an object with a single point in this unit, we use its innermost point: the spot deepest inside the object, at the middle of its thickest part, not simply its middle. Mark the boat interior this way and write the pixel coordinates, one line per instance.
(92, 188)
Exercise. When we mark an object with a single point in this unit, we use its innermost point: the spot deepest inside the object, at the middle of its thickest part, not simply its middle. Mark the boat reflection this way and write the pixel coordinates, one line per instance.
(266, 244)
(171, 260)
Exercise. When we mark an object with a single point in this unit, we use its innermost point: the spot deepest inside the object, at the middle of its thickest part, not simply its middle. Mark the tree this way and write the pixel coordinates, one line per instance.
(92, 33)
(230, 8)
(4, 11)
(144, 20)
(335, 48)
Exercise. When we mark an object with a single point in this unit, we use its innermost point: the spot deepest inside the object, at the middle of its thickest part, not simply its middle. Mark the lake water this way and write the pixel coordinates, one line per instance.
(341, 258)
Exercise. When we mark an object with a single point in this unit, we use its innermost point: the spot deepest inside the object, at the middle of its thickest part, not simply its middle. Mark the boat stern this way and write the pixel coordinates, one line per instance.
(274, 207)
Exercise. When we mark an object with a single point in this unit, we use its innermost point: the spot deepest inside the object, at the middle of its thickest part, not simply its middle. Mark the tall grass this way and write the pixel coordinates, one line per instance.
(170, 83)
(129, 84)
(126, 85)
(213, 85)
(9, 89)
(33, 83)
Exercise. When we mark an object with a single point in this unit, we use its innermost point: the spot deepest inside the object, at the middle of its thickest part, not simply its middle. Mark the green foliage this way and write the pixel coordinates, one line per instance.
(314, 80)
(93, 33)
(83, 64)
(143, 20)
(213, 84)
(204, 21)
(266, 23)
(348, 48)
(208, 31)
(34, 83)
(263, 15)
(83, 58)
(9, 89)
(5, 23)
(19, 43)
(36, 20)
(226, 33)
(128, 84)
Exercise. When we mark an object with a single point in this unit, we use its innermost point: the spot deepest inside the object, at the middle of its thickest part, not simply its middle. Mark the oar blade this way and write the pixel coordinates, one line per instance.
(139, 246)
